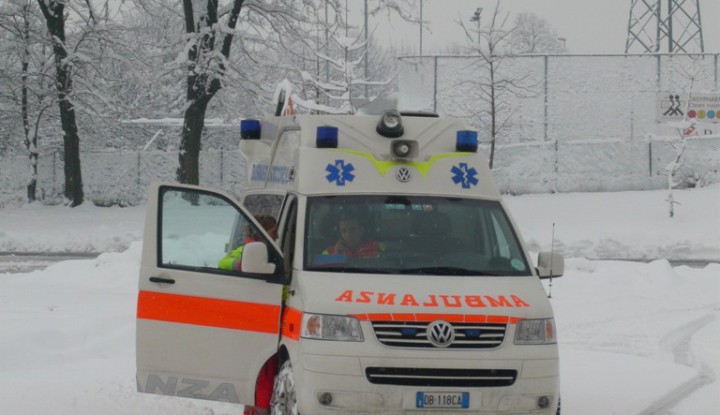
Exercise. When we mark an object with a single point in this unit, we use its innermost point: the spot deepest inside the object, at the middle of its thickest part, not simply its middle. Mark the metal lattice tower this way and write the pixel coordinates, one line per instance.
(667, 26)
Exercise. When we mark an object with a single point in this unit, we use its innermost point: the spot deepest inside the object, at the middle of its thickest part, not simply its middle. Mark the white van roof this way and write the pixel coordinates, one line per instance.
(288, 155)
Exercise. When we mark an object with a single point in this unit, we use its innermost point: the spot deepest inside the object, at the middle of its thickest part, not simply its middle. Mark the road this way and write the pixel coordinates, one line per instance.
(22, 262)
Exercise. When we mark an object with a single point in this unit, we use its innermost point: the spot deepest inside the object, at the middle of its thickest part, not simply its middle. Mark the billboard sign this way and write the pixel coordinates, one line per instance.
(700, 107)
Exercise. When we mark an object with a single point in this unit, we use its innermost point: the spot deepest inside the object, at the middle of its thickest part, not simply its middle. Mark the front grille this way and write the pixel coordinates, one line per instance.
(414, 334)
(440, 377)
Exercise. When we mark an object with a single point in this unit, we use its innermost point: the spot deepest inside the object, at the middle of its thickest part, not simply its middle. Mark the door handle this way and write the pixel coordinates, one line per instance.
(161, 280)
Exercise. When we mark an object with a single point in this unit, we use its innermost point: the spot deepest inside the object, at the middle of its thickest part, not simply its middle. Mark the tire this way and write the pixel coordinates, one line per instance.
(284, 400)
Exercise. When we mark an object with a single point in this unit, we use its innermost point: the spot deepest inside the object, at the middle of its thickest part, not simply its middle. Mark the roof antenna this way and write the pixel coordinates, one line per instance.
(552, 246)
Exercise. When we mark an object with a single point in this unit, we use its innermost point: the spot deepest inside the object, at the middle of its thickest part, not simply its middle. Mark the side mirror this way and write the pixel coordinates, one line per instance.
(550, 265)
(255, 259)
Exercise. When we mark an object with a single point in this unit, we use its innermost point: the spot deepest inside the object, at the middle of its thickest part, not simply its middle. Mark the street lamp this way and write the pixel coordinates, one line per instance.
(476, 18)
(421, 24)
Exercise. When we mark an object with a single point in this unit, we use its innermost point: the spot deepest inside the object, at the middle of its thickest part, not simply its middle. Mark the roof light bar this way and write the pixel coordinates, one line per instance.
(327, 137)
(466, 141)
(250, 129)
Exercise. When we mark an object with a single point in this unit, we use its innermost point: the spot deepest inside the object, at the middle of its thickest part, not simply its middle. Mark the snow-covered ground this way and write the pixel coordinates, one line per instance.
(635, 338)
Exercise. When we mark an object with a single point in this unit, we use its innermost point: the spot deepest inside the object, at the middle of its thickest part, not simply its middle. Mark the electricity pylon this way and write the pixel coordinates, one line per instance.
(664, 26)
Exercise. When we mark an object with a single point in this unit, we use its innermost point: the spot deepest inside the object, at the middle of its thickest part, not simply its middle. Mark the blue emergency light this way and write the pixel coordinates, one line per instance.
(467, 141)
(327, 137)
(250, 129)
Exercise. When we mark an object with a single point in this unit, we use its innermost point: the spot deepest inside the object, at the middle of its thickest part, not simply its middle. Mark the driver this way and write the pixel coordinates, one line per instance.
(353, 242)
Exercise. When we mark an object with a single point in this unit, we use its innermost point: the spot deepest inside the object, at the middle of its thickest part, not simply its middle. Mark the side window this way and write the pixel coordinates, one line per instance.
(198, 229)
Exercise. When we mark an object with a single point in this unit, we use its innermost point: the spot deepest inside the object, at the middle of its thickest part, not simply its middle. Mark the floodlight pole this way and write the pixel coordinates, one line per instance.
(421, 25)
(367, 56)
(476, 18)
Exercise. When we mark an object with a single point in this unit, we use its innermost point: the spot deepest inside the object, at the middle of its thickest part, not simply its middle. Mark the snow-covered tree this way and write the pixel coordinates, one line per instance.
(26, 74)
(343, 88)
(55, 18)
(533, 34)
(493, 86)
(338, 78)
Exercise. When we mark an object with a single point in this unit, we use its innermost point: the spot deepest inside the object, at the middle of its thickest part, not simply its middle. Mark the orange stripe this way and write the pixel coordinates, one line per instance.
(212, 312)
(292, 319)
(475, 318)
(498, 319)
(403, 317)
(380, 316)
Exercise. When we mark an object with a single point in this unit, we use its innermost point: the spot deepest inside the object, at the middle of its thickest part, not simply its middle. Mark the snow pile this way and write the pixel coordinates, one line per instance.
(644, 334)
(84, 229)
(622, 225)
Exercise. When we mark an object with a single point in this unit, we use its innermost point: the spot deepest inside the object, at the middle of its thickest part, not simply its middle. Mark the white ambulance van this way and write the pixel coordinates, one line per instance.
(436, 307)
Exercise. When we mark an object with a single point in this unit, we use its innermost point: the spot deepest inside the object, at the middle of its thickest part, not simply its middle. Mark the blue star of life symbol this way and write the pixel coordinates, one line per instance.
(465, 175)
(340, 172)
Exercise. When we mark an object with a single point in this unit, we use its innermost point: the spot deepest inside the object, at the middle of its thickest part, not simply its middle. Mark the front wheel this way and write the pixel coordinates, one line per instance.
(284, 400)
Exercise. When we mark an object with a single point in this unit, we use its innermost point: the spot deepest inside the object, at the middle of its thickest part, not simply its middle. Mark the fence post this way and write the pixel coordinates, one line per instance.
(53, 173)
(545, 93)
(138, 191)
(435, 78)
(557, 162)
(650, 159)
(222, 152)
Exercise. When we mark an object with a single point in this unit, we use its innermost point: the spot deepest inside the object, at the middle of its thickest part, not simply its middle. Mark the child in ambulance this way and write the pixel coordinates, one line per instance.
(352, 242)
(232, 261)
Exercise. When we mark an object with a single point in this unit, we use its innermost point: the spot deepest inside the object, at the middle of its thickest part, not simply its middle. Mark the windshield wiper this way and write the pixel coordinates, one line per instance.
(445, 271)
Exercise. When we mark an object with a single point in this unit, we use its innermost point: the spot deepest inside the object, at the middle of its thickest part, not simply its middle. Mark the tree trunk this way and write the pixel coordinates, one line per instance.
(200, 88)
(189, 170)
(30, 145)
(493, 115)
(55, 19)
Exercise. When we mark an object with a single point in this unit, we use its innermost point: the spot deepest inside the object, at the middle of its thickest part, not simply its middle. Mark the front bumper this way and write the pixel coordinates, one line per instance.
(345, 381)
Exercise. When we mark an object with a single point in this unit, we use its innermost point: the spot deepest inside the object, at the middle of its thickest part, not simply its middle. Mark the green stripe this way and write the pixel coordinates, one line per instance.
(383, 166)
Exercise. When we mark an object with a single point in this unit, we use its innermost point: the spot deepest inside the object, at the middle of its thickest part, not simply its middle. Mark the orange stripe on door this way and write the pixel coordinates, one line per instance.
(211, 312)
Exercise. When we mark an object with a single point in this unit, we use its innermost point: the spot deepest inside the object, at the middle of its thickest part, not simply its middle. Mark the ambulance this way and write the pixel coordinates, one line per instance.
(442, 311)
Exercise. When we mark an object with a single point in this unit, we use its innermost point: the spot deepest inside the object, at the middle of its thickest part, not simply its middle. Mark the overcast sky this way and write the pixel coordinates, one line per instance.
(590, 26)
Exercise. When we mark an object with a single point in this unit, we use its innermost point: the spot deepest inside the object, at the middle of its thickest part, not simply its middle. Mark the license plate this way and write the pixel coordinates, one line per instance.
(442, 400)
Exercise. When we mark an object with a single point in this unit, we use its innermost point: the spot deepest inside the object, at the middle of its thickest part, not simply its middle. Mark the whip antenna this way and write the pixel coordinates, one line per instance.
(552, 247)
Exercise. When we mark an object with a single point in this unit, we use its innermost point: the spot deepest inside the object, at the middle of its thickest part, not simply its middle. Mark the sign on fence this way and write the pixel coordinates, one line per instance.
(700, 107)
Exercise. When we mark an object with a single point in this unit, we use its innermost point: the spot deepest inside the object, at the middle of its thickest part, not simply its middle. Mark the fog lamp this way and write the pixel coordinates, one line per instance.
(543, 402)
(325, 399)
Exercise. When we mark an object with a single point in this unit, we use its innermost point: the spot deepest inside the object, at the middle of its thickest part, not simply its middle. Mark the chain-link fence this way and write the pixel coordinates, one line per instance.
(558, 97)
(121, 177)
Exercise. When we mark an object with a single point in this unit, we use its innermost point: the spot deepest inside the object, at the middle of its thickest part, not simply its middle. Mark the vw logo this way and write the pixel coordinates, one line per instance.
(440, 333)
(403, 175)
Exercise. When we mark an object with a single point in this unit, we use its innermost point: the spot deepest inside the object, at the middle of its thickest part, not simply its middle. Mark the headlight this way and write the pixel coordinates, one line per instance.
(328, 327)
(539, 331)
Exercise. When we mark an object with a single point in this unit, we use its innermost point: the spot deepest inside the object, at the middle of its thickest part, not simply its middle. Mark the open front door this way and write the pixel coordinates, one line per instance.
(204, 332)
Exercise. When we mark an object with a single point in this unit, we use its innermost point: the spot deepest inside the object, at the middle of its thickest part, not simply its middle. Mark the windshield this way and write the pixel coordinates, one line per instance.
(411, 235)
